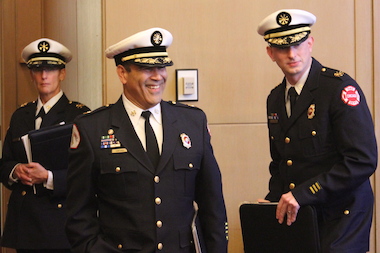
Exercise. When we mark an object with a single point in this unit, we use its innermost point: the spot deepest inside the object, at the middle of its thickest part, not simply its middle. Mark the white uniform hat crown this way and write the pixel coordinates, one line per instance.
(286, 27)
(46, 52)
(147, 48)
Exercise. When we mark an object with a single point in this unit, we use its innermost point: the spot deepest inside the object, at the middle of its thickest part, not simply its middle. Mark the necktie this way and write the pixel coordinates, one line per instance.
(41, 114)
(151, 141)
(292, 93)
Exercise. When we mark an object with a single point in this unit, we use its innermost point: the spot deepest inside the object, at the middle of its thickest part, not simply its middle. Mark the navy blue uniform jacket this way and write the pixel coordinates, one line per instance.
(119, 203)
(35, 221)
(324, 154)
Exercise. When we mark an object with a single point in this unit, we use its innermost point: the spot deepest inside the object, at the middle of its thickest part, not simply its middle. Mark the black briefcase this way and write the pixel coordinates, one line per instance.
(263, 234)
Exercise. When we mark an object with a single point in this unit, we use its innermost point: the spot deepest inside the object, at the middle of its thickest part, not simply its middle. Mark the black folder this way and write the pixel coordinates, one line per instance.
(263, 234)
(50, 146)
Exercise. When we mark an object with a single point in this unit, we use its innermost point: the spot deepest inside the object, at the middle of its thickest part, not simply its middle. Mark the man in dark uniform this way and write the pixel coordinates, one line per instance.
(322, 140)
(131, 189)
(36, 209)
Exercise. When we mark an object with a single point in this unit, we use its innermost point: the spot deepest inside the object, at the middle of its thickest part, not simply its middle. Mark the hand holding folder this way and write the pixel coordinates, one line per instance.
(49, 147)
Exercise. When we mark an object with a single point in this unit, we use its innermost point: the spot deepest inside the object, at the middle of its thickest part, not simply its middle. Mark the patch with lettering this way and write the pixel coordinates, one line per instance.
(350, 96)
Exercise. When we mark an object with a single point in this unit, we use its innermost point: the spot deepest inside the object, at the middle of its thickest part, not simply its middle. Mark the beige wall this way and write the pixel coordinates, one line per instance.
(217, 37)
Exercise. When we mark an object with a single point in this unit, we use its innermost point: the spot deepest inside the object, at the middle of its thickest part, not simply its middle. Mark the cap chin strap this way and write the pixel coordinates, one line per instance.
(59, 61)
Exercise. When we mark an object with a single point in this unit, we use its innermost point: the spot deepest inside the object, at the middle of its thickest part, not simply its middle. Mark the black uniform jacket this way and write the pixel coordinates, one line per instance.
(35, 221)
(324, 154)
(119, 203)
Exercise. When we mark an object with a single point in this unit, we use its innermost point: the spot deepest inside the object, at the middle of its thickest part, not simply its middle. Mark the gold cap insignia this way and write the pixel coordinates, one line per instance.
(156, 38)
(283, 19)
(43, 46)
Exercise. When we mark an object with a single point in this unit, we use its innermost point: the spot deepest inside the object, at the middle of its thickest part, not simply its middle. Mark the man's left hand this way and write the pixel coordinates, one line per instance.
(288, 206)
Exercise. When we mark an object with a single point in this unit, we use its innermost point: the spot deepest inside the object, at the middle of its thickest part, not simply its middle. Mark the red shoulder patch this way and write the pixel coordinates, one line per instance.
(350, 96)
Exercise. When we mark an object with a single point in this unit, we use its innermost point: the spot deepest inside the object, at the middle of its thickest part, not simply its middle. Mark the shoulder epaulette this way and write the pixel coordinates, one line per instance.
(183, 105)
(332, 72)
(27, 104)
(102, 108)
(76, 104)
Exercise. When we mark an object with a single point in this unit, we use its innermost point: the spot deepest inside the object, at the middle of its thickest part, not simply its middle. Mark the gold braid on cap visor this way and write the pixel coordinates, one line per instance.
(289, 39)
(165, 60)
(144, 55)
(51, 60)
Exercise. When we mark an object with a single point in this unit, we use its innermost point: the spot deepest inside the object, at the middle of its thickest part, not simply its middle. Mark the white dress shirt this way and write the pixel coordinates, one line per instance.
(298, 87)
(138, 121)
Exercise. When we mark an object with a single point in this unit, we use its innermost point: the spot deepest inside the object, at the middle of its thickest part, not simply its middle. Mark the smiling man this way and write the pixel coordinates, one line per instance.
(137, 167)
(322, 140)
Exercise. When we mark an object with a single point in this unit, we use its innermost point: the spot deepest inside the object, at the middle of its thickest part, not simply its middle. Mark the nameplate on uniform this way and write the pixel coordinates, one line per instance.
(119, 150)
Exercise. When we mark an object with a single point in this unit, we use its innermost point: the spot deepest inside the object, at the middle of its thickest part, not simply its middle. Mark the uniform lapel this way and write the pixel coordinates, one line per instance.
(281, 109)
(57, 113)
(29, 119)
(171, 135)
(126, 134)
(302, 104)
